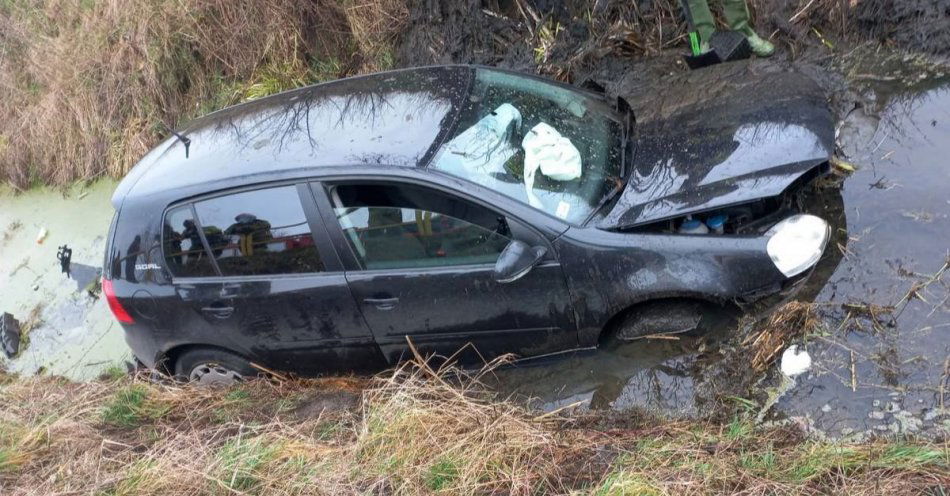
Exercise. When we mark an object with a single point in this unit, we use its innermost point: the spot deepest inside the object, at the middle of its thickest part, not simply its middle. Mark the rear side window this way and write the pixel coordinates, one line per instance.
(184, 254)
(259, 232)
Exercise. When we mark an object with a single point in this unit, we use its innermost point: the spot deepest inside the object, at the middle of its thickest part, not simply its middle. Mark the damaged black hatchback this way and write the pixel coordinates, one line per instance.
(453, 208)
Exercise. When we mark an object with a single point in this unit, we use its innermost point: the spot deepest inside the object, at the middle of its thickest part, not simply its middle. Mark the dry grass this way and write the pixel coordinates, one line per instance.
(420, 433)
(414, 431)
(374, 24)
(794, 320)
(86, 88)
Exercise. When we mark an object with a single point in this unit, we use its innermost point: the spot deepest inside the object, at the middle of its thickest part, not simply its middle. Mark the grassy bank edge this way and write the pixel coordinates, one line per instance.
(409, 431)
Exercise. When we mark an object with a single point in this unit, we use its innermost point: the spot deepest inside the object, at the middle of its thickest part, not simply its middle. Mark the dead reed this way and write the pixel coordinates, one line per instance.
(86, 88)
(794, 320)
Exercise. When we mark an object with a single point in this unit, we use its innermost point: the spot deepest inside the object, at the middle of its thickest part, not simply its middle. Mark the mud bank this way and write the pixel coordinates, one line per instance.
(576, 39)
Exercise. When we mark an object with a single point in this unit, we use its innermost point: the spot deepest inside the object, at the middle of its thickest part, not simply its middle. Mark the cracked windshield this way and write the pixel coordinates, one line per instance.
(555, 149)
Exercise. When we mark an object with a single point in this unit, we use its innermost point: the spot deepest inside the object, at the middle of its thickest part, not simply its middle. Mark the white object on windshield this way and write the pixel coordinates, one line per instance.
(484, 147)
(553, 154)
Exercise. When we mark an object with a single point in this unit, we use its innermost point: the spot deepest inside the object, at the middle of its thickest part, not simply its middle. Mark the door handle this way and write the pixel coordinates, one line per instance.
(382, 303)
(218, 311)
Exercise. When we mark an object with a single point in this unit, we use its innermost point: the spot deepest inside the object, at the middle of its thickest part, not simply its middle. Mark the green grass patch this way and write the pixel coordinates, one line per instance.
(20, 443)
(761, 463)
(114, 373)
(131, 405)
(234, 403)
(909, 456)
(739, 429)
(244, 463)
(442, 474)
(623, 483)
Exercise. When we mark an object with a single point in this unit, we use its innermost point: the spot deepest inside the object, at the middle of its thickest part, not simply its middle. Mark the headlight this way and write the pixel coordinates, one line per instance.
(796, 243)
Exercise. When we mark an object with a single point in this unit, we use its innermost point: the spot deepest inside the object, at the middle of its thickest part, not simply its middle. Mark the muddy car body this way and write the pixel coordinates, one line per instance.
(327, 227)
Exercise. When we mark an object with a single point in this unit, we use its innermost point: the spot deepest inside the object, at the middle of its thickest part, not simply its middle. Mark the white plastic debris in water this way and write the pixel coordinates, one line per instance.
(553, 154)
(795, 362)
(41, 236)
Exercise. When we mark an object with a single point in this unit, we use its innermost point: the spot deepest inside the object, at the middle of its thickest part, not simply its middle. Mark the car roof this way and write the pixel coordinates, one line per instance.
(392, 118)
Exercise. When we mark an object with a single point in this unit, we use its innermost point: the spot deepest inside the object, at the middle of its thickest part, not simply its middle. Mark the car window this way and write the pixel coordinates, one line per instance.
(185, 256)
(550, 147)
(259, 232)
(391, 227)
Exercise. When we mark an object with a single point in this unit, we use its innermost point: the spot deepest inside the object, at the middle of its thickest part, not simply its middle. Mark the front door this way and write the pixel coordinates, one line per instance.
(422, 271)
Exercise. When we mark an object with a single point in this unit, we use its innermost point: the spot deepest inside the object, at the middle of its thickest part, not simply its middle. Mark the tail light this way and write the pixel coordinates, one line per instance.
(120, 314)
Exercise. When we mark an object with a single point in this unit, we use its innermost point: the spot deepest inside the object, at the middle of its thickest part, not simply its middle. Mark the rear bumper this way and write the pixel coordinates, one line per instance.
(143, 345)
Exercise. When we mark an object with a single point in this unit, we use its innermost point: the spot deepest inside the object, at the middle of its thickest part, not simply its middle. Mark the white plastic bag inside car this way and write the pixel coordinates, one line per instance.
(554, 155)
(484, 147)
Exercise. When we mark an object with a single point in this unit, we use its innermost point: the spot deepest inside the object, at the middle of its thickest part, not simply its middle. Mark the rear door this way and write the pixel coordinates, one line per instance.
(260, 276)
(420, 264)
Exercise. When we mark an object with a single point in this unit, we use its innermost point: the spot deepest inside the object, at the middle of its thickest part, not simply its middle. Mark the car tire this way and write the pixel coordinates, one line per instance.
(670, 317)
(213, 367)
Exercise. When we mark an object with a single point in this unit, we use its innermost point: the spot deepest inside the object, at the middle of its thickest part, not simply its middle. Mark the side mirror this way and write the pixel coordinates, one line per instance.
(516, 260)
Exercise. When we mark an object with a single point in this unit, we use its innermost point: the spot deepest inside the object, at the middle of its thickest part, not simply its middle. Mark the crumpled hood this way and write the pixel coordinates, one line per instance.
(739, 140)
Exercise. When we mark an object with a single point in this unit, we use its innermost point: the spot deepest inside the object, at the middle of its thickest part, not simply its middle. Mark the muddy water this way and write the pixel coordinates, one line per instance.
(892, 221)
(71, 331)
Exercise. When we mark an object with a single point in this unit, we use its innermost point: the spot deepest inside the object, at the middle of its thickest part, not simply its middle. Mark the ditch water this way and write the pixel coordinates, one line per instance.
(880, 359)
(71, 332)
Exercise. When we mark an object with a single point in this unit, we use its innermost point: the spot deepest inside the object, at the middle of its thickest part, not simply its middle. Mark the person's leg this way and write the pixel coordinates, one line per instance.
(703, 21)
(737, 16)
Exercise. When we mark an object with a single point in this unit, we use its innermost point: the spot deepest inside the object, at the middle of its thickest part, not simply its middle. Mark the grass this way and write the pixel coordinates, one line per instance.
(87, 88)
(130, 406)
(114, 373)
(32, 321)
(242, 462)
(416, 431)
(15, 442)
(443, 474)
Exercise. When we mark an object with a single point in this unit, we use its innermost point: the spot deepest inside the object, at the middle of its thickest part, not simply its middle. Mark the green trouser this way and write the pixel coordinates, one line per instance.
(736, 12)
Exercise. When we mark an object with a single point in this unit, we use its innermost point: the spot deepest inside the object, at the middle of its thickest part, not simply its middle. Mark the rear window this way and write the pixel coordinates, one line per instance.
(260, 232)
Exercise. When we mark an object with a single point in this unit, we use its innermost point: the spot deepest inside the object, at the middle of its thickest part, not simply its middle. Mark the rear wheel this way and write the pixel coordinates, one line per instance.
(668, 317)
(213, 367)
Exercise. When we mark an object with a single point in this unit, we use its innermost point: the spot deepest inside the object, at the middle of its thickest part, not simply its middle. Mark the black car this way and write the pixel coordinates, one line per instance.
(455, 208)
